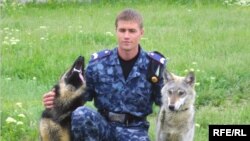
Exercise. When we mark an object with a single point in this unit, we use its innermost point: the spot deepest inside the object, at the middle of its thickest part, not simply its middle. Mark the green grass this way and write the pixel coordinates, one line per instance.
(39, 42)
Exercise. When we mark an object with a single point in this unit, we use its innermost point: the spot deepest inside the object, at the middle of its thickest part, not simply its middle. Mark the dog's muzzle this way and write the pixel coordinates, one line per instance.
(171, 107)
(76, 70)
(80, 74)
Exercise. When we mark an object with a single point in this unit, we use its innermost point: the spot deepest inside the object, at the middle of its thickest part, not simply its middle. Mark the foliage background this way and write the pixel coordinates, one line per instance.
(40, 39)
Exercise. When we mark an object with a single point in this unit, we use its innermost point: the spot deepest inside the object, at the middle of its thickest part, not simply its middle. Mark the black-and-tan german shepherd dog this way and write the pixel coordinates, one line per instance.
(55, 123)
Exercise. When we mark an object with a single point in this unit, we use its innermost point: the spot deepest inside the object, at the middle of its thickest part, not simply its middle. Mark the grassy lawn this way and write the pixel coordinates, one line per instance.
(39, 42)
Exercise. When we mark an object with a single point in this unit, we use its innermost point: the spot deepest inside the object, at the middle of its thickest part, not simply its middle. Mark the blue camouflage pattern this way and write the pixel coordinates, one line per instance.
(89, 125)
(157, 57)
(99, 55)
(108, 88)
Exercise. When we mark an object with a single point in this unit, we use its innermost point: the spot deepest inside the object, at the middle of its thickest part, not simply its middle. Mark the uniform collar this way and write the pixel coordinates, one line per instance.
(140, 62)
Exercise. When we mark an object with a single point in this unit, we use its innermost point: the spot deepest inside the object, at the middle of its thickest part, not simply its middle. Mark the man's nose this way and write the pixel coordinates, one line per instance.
(126, 34)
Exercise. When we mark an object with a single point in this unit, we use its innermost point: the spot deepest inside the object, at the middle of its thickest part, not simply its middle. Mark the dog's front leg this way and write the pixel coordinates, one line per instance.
(160, 124)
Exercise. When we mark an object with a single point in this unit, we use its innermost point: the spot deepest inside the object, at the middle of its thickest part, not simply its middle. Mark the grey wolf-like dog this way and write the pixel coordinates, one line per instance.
(175, 121)
(55, 123)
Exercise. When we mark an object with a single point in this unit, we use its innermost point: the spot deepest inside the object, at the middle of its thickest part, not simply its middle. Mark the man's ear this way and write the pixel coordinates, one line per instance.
(142, 31)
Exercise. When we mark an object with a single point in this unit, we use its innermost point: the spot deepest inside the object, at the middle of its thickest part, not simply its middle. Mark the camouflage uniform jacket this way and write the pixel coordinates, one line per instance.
(110, 91)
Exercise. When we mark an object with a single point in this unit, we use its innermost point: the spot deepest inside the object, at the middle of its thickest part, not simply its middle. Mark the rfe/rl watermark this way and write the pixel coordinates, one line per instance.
(229, 132)
(232, 132)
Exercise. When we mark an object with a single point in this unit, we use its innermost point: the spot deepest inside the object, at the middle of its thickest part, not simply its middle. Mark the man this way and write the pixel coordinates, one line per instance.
(124, 83)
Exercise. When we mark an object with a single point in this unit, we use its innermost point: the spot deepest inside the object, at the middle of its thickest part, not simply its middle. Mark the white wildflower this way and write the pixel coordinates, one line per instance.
(212, 78)
(194, 63)
(21, 115)
(5, 43)
(197, 84)
(14, 41)
(8, 78)
(42, 27)
(197, 125)
(109, 34)
(19, 123)
(191, 69)
(19, 104)
(6, 28)
(10, 120)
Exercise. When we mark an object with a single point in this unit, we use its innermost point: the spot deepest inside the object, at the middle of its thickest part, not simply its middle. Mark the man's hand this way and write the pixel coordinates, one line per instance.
(48, 99)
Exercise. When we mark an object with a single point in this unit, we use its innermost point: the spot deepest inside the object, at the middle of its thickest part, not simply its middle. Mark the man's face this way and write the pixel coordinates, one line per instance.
(128, 34)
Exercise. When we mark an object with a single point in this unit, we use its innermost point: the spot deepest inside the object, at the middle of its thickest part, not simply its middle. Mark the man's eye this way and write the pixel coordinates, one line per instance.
(122, 30)
(132, 30)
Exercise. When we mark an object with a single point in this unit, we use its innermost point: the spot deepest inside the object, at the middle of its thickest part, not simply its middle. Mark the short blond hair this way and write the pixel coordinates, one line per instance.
(129, 15)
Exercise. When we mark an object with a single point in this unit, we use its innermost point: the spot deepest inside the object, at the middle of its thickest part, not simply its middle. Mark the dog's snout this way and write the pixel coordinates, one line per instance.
(171, 107)
(79, 64)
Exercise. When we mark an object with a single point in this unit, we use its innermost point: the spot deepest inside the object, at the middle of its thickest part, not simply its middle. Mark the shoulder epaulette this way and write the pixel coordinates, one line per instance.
(99, 55)
(157, 57)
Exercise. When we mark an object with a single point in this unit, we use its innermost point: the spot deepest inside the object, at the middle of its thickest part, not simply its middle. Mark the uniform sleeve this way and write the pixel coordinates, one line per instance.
(156, 68)
(157, 91)
(90, 81)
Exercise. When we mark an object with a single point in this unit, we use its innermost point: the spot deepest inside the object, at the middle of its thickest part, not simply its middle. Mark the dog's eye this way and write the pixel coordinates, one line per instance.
(181, 93)
(170, 92)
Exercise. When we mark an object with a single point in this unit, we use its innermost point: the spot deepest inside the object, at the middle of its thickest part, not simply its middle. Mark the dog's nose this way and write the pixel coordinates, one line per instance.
(171, 107)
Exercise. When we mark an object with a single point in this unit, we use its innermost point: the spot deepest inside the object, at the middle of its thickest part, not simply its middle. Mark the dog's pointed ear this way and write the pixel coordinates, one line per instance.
(190, 78)
(167, 76)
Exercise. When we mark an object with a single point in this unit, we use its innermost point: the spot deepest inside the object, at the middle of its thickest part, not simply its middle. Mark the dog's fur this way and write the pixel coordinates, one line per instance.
(55, 123)
(175, 121)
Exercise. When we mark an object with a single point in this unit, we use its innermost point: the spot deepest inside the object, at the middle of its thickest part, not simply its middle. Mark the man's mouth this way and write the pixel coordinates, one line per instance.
(126, 42)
